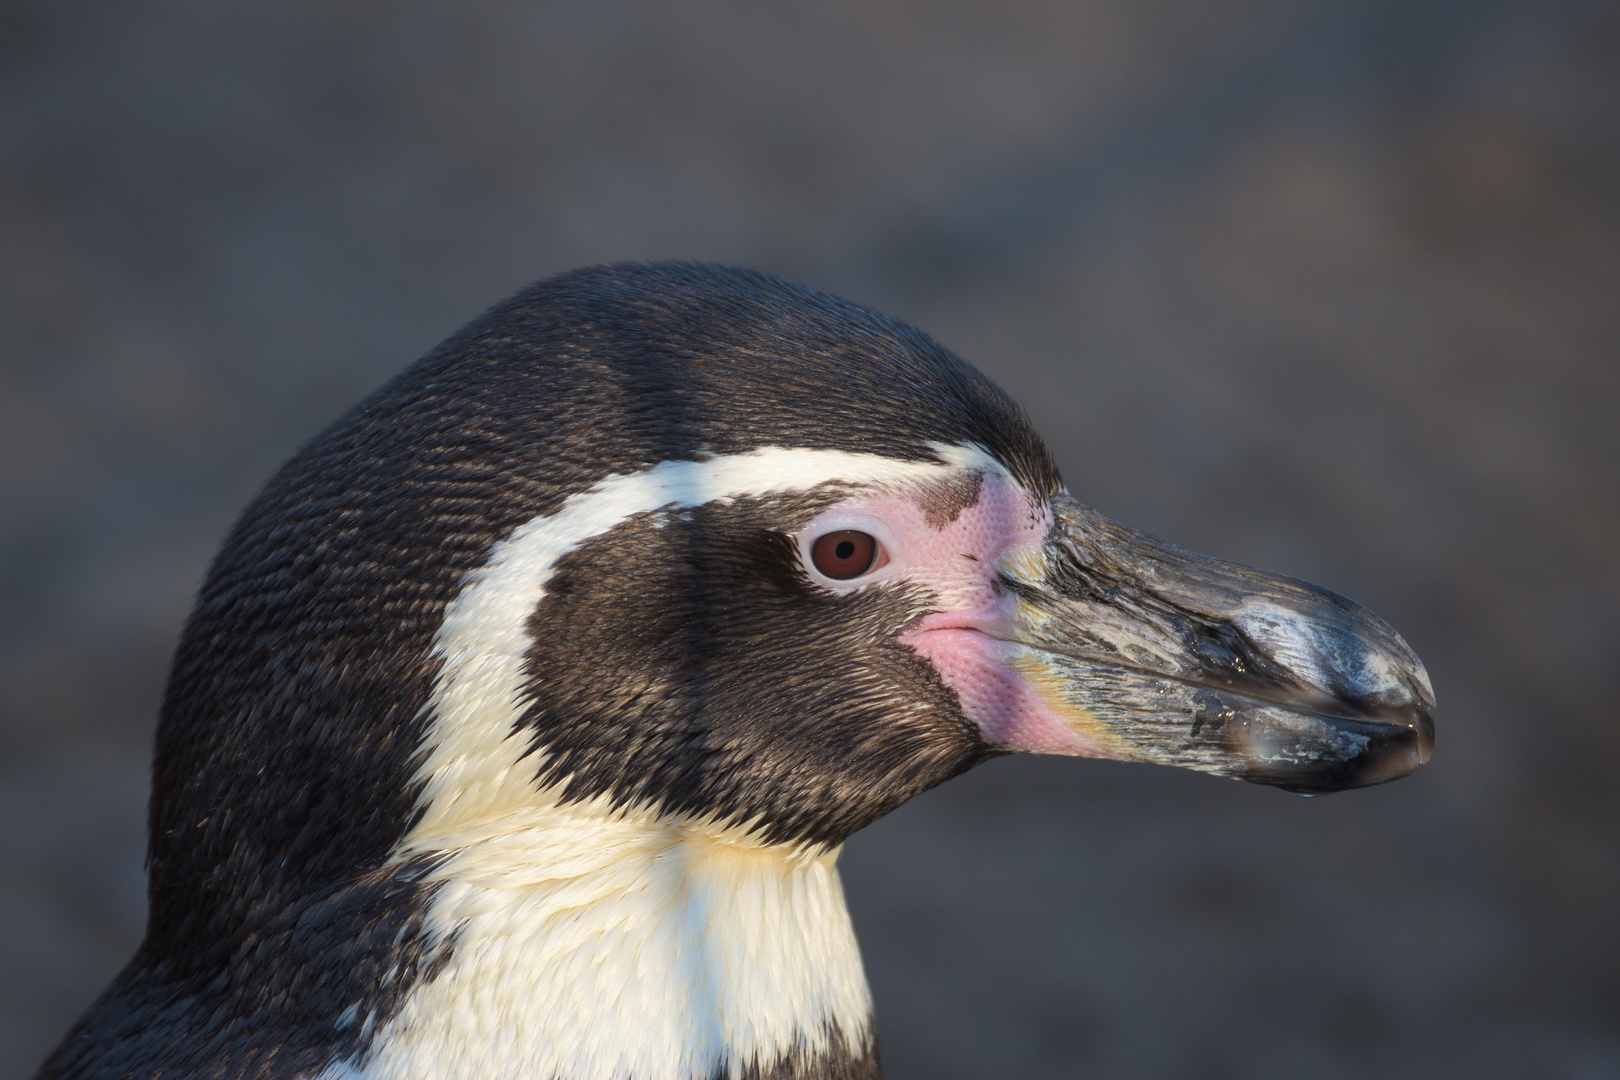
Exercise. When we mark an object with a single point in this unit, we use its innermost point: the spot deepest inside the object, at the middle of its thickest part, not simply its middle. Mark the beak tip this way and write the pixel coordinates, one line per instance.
(1425, 738)
(1393, 750)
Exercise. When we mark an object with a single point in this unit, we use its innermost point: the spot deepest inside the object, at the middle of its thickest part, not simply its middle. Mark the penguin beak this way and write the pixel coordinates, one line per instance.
(1155, 654)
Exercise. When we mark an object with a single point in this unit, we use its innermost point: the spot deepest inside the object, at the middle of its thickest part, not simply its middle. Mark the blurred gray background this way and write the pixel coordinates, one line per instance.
(1328, 287)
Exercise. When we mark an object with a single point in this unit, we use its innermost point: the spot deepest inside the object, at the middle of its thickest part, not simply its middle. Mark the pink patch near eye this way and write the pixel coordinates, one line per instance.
(959, 562)
(1009, 712)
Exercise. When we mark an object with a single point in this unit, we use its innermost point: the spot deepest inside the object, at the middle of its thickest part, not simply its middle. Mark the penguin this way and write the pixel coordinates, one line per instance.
(520, 719)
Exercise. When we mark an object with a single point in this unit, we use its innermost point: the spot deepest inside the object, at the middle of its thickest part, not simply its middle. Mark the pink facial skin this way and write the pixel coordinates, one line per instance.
(969, 639)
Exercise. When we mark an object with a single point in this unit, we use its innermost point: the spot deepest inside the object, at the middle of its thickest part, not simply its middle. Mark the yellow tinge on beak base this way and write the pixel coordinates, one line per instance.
(1044, 676)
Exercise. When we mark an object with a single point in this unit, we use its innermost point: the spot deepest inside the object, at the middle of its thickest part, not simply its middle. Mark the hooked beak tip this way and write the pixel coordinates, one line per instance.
(1395, 746)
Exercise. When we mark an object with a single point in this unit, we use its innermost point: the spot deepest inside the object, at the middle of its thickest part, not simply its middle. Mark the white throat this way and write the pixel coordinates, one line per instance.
(585, 945)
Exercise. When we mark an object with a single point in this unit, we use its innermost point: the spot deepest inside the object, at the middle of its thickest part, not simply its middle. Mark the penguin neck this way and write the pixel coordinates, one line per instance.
(582, 943)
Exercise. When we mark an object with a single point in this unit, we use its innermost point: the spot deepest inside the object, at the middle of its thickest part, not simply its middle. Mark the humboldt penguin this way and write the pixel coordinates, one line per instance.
(521, 717)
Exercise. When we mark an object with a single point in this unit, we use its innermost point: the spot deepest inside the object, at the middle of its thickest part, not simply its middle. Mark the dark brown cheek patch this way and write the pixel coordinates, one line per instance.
(944, 502)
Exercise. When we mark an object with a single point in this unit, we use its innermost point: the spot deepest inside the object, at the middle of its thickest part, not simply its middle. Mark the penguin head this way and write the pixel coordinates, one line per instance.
(698, 543)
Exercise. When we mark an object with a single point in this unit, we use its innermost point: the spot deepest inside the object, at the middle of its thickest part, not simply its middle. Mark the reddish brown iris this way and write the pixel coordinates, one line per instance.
(844, 554)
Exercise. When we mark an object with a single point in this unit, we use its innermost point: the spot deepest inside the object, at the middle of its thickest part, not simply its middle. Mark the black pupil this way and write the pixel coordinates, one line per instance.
(845, 549)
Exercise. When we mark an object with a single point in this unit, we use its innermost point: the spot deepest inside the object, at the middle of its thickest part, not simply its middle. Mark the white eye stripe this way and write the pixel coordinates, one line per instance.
(469, 763)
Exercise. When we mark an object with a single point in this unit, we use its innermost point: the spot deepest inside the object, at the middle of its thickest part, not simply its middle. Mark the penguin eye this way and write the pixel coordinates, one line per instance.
(846, 554)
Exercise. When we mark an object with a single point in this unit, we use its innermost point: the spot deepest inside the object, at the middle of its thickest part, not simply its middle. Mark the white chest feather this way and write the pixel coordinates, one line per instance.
(587, 947)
